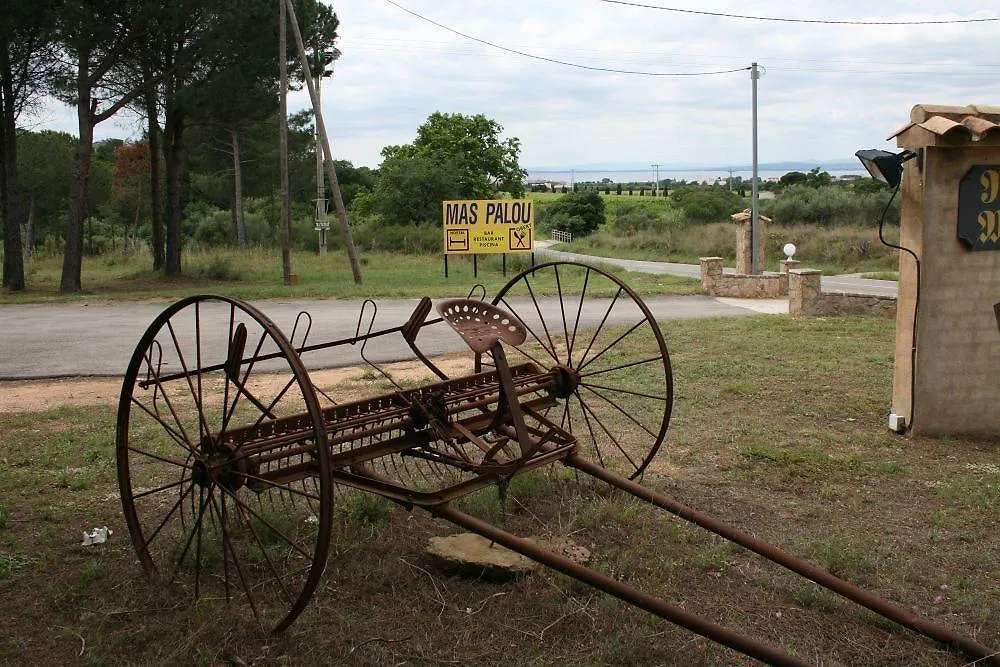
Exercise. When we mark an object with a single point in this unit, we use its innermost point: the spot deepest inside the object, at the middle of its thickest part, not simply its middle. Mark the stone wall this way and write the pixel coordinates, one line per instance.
(806, 297)
(715, 282)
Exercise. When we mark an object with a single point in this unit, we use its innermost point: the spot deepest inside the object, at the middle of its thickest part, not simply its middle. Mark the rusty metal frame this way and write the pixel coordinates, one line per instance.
(486, 428)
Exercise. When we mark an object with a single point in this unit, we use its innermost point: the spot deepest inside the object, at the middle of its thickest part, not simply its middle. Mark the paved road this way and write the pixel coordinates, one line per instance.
(850, 284)
(73, 339)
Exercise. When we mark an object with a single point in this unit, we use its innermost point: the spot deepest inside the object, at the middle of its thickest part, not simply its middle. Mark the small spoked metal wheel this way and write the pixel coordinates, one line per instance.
(223, 466)
(607, 355)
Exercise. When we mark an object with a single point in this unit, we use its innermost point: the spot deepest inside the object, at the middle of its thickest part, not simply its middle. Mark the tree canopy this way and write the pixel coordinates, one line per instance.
(453, 157)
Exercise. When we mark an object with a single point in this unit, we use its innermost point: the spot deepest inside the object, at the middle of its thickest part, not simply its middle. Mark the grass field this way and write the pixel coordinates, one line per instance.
(256, 274)
(778, 428)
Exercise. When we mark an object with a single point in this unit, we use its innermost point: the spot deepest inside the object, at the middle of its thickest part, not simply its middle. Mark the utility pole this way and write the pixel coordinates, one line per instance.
(754, 212)
(656, 179)
(331, 171)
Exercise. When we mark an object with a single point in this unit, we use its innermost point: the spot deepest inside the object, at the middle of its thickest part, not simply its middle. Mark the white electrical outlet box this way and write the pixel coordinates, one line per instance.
(897, 423)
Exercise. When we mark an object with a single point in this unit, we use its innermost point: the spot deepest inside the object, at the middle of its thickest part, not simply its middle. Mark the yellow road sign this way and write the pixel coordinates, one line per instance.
(488, 225)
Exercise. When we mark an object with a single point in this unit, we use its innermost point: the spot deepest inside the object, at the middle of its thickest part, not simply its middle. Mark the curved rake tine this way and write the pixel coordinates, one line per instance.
(295, 328)
(234, 360)
(480, 287)
(364, 340)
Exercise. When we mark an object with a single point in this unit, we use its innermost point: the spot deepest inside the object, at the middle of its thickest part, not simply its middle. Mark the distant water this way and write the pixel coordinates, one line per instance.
(646, 175)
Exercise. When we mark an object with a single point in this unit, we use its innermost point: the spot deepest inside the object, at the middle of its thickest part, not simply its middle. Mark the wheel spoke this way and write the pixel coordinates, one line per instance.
(170, 406)
(202, 424)
(528, 328)
(180, 500)
(260, 420)
(622, 366)
(545, 327)
(576, 323)
(604, 428)
(610, 346)
(639, 394)
(174, 435)
(294, 545)
(190, 539)
(267, 557)
(275, 485)
(228, 544)
(600, 326)
(593, 437)
(171, 485)
(562, 310)
(620, 409)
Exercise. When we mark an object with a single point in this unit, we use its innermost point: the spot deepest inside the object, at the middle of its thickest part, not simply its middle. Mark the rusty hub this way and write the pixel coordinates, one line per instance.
(221, 467)
(565, 381)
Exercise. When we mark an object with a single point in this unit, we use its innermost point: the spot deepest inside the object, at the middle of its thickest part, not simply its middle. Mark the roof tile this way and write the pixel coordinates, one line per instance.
(973, 122)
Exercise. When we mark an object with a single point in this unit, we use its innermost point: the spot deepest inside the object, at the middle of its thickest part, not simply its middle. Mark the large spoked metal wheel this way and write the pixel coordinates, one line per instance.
(608, 357)
(223, 466)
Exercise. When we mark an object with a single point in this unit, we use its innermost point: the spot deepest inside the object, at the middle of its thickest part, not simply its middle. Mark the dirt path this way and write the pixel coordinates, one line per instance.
(41, 395)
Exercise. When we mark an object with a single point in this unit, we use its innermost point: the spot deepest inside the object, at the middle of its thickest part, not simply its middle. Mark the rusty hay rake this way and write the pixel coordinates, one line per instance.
(230, 460)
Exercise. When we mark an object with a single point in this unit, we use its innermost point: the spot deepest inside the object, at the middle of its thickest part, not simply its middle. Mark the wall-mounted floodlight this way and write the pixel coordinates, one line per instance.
(885, 166)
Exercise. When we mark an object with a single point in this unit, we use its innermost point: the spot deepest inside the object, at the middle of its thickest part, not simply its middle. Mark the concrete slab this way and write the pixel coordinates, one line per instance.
(766, 306)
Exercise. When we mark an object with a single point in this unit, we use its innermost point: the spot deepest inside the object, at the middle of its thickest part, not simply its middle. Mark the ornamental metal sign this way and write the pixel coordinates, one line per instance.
(979, 208)
(488, 226)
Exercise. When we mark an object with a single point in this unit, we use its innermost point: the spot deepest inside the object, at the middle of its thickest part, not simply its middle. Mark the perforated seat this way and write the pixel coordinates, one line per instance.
(482, 324)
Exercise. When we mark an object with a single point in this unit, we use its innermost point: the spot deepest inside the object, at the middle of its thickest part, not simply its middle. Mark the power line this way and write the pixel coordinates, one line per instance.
(791, 20)
(556, 61)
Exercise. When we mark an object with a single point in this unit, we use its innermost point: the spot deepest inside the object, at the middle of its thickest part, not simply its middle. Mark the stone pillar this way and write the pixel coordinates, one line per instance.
(952, 385)
(805, 295)
(744, 241)
(786, 264)
(711, 274)
(744, 245)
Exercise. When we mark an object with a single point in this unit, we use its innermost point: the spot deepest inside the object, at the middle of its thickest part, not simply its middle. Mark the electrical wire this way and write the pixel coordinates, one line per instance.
(557, 61)
(791, 20)
(916, 308)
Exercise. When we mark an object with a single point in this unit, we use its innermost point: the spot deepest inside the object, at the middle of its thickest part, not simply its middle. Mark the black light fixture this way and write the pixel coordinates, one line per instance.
(885, 166)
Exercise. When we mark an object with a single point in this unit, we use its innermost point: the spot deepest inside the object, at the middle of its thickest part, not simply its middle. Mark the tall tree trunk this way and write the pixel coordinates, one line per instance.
(241, 225)
(286, 208)
(79, 181)
(234, 236)
(172, 138)
(155, 180)
(13, 259)
(31, 233)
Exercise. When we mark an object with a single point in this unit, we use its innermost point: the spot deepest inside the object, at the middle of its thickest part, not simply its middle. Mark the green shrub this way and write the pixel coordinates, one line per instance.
(632, 217)
(375, 235)
(579, 213)
(707, 203)
(830, 205)
(212, 228)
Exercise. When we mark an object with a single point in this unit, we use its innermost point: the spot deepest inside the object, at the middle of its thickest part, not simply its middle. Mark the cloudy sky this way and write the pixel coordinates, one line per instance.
(827, 89)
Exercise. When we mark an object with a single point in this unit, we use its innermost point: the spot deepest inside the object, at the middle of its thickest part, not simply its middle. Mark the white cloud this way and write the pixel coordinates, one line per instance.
(828, 89)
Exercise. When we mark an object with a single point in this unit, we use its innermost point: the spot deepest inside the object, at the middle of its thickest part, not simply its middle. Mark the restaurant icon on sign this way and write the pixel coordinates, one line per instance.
(520, 239)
